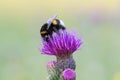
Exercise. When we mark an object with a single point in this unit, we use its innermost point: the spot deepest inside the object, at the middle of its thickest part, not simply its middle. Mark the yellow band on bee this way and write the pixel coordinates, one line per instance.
(43, 32)
(54, 22)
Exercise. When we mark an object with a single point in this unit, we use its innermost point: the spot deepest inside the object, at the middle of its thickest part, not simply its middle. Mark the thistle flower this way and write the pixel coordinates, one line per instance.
(68, 74)
(62, 44)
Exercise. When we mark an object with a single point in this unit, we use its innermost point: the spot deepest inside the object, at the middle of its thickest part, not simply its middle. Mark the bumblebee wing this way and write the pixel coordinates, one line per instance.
(50, 20)
(62, 25)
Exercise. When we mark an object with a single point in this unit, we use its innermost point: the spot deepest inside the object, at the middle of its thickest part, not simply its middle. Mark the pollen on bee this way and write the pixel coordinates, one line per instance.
(43, 32)
(54, 22)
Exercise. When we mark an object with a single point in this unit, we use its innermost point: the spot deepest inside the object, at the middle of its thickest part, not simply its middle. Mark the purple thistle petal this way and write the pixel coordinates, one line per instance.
(64, 43)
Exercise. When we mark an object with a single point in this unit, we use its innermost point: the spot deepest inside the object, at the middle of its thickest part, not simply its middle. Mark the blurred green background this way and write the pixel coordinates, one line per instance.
(97, 21)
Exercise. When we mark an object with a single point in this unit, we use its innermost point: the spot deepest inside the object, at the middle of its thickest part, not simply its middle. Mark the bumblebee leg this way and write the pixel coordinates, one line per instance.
(55, 30)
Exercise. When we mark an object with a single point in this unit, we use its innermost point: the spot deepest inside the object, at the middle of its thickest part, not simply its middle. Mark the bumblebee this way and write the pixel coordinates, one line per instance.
(52, 25)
